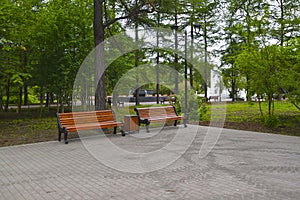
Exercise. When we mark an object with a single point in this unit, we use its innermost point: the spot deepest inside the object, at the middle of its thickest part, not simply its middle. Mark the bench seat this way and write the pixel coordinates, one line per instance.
(163, 118)
(89, 126)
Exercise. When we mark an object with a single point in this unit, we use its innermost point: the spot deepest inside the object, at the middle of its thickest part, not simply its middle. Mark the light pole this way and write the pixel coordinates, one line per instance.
(175, 28)
(197, 28)
(192, 56)
(185, 81)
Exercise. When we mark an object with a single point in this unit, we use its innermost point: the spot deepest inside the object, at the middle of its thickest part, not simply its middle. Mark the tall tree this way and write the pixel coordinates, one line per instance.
(285, 18)
(130, 11)
(246, 29)
(206, 23)
(290, 66)
(63, 37)
(265, 71)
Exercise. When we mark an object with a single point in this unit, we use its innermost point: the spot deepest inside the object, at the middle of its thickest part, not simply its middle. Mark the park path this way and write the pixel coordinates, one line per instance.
(242, 165)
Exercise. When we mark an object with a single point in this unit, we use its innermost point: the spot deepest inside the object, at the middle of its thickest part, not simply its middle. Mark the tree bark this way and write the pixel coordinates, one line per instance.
(100, 92)
(47, 100)
(157, 60)
(25, 93)
(7, 95)
(136, 63)
(20, 99)
(233, 89)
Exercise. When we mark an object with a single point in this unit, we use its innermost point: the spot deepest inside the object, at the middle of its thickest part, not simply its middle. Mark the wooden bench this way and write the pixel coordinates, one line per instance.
(156, 114)
(162, 100)
(216, 98)
(76, 121)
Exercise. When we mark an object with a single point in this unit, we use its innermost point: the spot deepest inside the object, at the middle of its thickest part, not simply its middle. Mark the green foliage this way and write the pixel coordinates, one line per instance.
(285, 118)
(285, 18)
(197, 108)
(13, 100)
(43, 43)
(264, 71)
(291, 71)
(203, 109)
(270, 121)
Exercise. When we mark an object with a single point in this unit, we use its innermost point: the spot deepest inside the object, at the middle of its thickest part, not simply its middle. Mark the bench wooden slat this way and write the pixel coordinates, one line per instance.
(90, 126)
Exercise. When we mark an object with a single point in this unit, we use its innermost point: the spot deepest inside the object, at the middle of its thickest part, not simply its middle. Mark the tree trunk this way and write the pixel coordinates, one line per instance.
(176, 48)
(176, 60)
(25, 86)
(100, 93)
(269, 104)
(192, 54)
(157, 79)
(47, 100)
(157, 60)
(205, 91)
(25, 93)
(114, 99)
(136, 63)
(260, 109)
(248, 95)
(1, 103)
(20, 99)
(233, 90)
(41, 97)
(7, 95)
(205, 62)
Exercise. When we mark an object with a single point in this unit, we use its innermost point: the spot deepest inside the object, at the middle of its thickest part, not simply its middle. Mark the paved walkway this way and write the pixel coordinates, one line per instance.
(241, 165)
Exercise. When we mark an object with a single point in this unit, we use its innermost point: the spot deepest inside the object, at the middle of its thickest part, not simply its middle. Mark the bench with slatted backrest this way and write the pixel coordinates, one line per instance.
(157, 114)
(77, 121)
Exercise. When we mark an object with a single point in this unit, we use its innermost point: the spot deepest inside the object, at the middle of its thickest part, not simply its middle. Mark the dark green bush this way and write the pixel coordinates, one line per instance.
(270, 121)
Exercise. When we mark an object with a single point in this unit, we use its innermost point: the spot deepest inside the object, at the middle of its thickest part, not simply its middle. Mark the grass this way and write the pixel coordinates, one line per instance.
(35, 125)
(28, 127)
(247, 116)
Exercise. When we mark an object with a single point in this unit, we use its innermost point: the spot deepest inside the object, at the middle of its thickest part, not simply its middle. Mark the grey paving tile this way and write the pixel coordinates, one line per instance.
(241, 165)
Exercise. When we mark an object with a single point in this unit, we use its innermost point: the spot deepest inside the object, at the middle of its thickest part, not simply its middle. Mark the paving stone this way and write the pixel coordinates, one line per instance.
(241, 165)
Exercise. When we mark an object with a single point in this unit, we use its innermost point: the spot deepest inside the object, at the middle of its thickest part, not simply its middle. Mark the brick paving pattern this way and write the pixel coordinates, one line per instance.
(242, 165)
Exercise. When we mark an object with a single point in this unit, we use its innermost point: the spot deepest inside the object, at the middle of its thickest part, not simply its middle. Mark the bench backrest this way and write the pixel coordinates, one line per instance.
(152, 112)
(213, 97)
(72, 118)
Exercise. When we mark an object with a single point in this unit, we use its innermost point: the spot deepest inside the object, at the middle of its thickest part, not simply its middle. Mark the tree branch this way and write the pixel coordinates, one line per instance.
(298, 107)
(136, 10)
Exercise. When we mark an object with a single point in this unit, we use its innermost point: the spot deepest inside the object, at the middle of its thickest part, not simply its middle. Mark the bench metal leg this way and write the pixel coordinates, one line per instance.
(115, 130)
(123, 132)
(66, 136)
(175, 123)
(147, 125)
(59, 135)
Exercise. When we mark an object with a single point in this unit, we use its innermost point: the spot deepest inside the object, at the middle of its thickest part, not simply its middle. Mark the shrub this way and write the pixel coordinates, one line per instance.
(196, 106)
(270, 121)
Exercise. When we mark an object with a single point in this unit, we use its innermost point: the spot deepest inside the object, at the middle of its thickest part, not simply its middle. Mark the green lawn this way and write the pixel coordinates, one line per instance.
(244, 115)
(34, 126)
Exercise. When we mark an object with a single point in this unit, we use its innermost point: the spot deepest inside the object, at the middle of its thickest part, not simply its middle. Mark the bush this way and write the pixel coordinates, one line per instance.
(12, 99)
(202, 111)
(32, 99)
(196, 106)
(271, 121)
